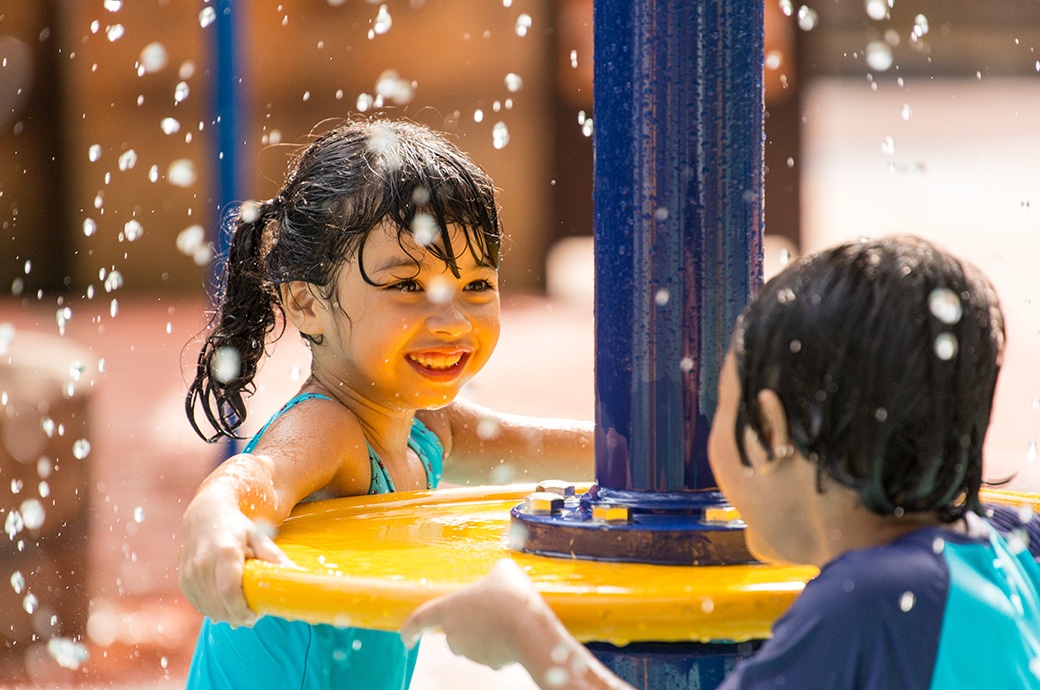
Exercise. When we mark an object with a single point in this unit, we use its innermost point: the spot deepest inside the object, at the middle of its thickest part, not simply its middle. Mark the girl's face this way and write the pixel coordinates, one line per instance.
(412, 340)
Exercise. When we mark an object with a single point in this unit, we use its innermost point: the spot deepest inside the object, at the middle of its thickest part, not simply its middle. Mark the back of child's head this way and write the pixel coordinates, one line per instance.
(357, 177)
(885, 355)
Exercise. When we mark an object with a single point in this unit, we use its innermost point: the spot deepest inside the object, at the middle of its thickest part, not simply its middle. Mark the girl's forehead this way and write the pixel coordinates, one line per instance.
(386, 245)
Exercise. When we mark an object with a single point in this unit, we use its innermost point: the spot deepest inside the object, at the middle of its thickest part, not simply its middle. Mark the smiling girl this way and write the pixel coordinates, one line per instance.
(382, 250)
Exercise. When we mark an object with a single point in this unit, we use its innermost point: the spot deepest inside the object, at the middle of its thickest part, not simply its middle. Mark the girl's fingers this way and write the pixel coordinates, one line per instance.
(264, 548)
(426, 617)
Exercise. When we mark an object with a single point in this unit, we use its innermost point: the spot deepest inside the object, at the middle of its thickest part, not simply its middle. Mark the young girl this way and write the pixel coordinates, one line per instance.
(382, 249)
(849, 430)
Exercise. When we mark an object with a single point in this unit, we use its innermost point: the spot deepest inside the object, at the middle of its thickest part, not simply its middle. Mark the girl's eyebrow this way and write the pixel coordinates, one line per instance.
(394, 262)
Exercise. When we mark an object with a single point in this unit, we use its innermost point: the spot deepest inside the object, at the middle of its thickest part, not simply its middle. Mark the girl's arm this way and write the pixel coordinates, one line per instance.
(502, 620)
(238, 506)
(488, 447)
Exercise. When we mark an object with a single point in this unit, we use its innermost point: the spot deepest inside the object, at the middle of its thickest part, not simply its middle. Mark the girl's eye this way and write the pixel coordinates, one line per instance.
(479, 286)
(408, 285)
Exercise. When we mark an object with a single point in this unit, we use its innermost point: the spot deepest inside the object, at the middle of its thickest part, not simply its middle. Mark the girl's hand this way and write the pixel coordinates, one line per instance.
(217, 540)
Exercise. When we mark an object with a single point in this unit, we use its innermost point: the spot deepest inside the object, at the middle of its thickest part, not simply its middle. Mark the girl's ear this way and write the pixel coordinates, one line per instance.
(302, 307)
(775, 433)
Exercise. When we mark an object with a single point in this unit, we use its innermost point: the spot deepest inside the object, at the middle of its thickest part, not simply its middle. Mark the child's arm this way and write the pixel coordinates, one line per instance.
(248, 495)
(484, 446)
(502, 620)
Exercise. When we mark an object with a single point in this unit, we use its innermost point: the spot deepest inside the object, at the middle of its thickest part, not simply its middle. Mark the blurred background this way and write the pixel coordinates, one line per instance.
(883, 116)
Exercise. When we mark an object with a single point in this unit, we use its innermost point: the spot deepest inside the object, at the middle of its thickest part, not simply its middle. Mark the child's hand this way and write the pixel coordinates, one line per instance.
(484, 621)
(217, 540)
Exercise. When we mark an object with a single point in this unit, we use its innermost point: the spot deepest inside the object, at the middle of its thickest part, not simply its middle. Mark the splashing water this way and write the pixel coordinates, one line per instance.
(523, 24)
(17, 582)
(391, 86)
(207, 16)
(574, 59)
(920, 26)
(170, 125)
(33, 513)
(807, 18)
(876, 9)
(888, 146)
(906, 602)
(81, 449)
(226, 364)
(181, 173)
(67, 652)
(113, 281)
(424, 229)
(945, 305)
(89, 226)
(383, 21)
(132, 230)
(30, 602)
(153, 58)
(513, 82)
(1031, 451)
(94, 153)
(113, 5)
(906, 112)
(945, 346)
(138, 514)
(879, 56)
(115, 32)
(181, 91)
(364, 102)
(488, 428)
(787, 7)
(440, 290)
(127, 160)
(13, 524)
(500, 135)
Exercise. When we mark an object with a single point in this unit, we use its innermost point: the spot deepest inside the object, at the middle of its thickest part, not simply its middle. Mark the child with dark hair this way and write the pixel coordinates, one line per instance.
(382, 249)
(849, 430)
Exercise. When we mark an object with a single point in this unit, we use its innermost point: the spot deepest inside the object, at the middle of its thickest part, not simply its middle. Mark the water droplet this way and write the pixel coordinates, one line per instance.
(81, 448)
(938, 545)
(440, 290)
(661, 297)
(67, 652)
(89, 227)
(170, 125)
(29, 602)
(17, 582)
(153, 58)
(132, 230)
(500, 135)
(113, 5)
(190, 239)
(113, 281)
(115, 32)
(181, 173)
(557, 677)
(686, 364)
(364, 102)
(523, 23)
(478, 115)
(787, 7)
(807, 18)
(383, 21)
(13, 524)
(226, 364)
(879, 56)
(138, 514)
(33, 513)
(207, 16)
(16, 486)
(488, 428)
(127, 160)
(888, 146)
(181, 91)
(94, 153)
(945, 346)
(796, 346)
(920, 25)
(44, 489)
(876, 9)
(1031, 451)
(945, 305)
(906, 112)
(390, 86)
(513, 82)
(574, 59)
(424, 229)
(881, 414)
(906, 602)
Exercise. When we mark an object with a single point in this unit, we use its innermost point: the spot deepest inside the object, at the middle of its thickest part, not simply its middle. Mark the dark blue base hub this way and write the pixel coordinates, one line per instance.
(673, 666)
(680, 528)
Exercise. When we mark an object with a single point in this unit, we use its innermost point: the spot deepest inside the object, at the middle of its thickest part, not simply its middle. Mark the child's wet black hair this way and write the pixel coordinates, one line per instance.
(358, 176)
(885, 355)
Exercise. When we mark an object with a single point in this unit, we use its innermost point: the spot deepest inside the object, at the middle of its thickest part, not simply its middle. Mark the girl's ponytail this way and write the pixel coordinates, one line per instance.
(232, 350)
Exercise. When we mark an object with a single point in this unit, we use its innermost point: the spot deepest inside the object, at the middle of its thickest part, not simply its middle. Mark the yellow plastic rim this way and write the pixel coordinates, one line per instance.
(369, 561)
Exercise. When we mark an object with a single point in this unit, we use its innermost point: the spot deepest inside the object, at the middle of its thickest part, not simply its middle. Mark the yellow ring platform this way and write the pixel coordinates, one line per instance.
(369, 561)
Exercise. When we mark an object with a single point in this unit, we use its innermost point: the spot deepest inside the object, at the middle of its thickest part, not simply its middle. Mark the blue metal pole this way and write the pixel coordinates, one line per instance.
(678, 214)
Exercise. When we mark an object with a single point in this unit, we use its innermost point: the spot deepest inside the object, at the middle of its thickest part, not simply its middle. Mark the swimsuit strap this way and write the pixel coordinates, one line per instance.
(251, 446)
(426, 446)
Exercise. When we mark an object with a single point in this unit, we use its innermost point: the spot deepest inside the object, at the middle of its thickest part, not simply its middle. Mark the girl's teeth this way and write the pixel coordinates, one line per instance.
(436, 362)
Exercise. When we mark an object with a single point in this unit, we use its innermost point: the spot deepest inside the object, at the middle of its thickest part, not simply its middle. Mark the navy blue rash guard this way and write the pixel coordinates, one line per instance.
(932, 609)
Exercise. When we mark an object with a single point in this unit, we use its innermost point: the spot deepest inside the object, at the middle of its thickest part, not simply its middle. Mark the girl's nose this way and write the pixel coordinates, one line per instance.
(449, 319)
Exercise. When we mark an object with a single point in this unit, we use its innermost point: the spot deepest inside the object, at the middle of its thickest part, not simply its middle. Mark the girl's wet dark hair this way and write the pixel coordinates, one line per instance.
(356, 177)
(885, 355)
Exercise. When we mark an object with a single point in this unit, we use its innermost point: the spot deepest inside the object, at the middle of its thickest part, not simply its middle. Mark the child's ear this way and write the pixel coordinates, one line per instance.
(302, 307)
(773, 416)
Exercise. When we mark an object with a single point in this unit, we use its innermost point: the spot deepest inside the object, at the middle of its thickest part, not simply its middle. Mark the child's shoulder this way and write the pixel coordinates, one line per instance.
(313, 421)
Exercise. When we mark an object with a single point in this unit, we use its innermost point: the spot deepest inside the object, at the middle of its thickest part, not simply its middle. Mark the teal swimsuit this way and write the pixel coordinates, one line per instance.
(277, 653)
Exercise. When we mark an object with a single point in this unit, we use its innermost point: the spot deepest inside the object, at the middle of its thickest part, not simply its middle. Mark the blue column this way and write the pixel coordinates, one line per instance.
(678, 211)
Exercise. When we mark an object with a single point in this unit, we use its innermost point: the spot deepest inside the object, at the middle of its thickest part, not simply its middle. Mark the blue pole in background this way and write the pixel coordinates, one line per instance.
(678, 214)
